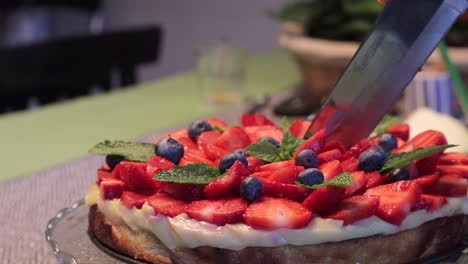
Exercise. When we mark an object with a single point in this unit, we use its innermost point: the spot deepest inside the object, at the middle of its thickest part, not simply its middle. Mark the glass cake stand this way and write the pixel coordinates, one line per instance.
(70, 243)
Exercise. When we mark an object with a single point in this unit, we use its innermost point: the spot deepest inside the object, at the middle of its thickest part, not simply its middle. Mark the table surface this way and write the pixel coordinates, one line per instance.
(35, 140)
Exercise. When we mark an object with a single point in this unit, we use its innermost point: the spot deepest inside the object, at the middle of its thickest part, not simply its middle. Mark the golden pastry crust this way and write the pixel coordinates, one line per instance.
(407, 246)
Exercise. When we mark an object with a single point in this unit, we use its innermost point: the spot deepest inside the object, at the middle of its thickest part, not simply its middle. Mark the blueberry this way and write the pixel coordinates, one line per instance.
(372, 159)
(399, 174)
(113, 160)
(242, 152)
(170, 149)
(311, 176)
(388, 142)
(228, 160)
(307, 158)
(269, 140)
(198, 127)
(251, 189)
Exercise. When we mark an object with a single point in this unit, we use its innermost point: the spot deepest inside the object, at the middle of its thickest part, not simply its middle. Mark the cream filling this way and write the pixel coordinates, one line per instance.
(183, 232)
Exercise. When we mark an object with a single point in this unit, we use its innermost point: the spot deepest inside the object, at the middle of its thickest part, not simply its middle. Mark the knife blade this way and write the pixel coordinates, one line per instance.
(401, 40)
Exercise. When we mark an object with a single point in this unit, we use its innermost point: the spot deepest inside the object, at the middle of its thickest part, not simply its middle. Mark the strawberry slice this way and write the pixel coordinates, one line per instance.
(255, 120)
(273, 213)
(192, 156)
(314, 143)
(396, 200)
(329, 155)
(457, 169)
(111, 189)
(212, 152)
(284, 175)
(134, 175)
(182, 191)
(452, 158)
(359, 183)
(324, 199)
(351, 164)
(218, 212)
(331, 169)
(229, 183)
(429, 202)
(104, 175)
(299, 128)
(188, 144)
(166, 205)
(262, 174)
(156, 164)
(334, 144)
(373, 179)
(399, 131)
(293, 192)
(356, 150)
(257, 132)
(254, 163)
(354, 209)
(133, 199)
(216, 122)
(208, 137)
(232, 139)
(269, 188)
(276, 165)
(175, 135)
(449, 185)
(425, 182)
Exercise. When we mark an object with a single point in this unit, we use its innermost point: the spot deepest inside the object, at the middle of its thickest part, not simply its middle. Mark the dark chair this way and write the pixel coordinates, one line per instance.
(69, 67)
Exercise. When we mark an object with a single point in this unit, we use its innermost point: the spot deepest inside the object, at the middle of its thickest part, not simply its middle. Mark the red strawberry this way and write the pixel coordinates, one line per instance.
(111, 189)
(284, 175)
(216, 122)
(175, 135)
(212, 152)
(324, 199)
(269, 188)
(218, 212)
(133, 199)
(373, 179)
(104, 175)
(299, 128)
(257, 132)
(166, 205)
(229, 183)
(399, 131)
(354, 209)
(457, 169)
(188, 144)
(314, 143)
(208, 137)
(452, 158)
(449, 185)
(427, 181)
(255, 120)
(182, 191)
(334, 144)
(274, 213)
(359, 183)
(233, 138)
(400, 142)
(262, 174)
(356, 150)
(351, 164)
(134, 175)
(396, 200)
(293, 192)
(254, 163)
(429, 202)
(276, 165)
(329, 155)
(331, 169)
(156, 164)
(105, 167)
(191, 156)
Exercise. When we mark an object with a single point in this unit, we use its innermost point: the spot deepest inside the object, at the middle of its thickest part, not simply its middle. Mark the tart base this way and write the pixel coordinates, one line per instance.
(430, 238)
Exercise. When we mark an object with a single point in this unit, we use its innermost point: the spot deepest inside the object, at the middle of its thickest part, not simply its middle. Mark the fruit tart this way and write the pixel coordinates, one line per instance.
(259, 193)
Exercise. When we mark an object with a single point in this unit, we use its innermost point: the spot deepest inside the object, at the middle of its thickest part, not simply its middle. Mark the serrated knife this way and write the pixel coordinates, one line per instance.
(401, 40)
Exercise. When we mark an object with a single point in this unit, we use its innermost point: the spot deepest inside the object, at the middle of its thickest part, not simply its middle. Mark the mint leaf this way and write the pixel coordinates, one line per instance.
(195, 173)
(289, 145)
(264, 150)
(135, 151)
(383, 125)
(398, 160)
(344, 179)
(286, 124)
(218, 128)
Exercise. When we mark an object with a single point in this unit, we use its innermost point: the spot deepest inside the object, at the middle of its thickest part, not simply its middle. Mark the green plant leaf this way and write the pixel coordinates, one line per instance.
(344, 179)
(398, 160)
(264, 150)
(289, 145)
(383, 125)
(195, 173)
(135, 151)
(218, 128)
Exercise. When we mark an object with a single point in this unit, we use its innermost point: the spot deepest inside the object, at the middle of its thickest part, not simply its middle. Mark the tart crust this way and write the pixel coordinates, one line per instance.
(403, 247)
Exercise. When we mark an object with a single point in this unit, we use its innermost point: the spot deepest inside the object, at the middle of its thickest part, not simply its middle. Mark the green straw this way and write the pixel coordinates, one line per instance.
(455, 75)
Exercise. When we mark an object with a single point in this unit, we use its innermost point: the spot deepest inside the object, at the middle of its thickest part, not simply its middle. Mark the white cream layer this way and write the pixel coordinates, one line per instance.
(183, 232)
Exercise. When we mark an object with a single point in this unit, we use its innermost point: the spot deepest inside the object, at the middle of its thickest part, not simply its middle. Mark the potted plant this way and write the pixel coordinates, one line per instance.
(323, 36)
